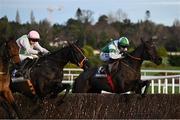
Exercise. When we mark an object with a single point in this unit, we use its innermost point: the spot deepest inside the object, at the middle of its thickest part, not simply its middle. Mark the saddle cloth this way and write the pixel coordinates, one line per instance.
(101, 72)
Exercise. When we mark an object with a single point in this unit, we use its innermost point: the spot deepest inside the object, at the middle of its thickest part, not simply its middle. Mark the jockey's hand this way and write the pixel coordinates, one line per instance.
(40, 54)
(125, 53)
(112, 60)
(48, 53)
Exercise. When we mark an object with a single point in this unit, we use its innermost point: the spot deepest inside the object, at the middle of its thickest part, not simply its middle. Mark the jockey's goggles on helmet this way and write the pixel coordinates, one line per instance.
(34, 40)
(124, 46)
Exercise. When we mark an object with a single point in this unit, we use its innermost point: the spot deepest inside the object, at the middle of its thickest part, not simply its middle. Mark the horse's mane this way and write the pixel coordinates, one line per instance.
(60, 49)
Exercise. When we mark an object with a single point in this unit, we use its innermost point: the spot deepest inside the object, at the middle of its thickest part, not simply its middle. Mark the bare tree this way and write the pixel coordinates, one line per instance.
(18, 20)
(111, 17)
(32, 18)
(176, 22)
(85, 16)
(119, 15)
(147, 15)
(78, 14)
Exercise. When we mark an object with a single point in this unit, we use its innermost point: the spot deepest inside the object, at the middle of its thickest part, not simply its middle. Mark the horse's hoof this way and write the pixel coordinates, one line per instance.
(143, 95)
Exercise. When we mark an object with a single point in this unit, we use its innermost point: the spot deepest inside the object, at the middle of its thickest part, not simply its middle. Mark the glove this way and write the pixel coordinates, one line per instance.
(112, 60)
(40, 54)
(47, 53)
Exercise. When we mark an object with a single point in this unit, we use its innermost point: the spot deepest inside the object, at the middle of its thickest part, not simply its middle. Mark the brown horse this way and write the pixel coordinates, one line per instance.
(9, 51)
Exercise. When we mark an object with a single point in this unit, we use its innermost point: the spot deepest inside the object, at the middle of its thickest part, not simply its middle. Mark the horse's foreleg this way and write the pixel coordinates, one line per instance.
(145, 83)
(121, 86)
(9, 97)
(140, 84)
(63, 87)
(6, 108)
(138, 87)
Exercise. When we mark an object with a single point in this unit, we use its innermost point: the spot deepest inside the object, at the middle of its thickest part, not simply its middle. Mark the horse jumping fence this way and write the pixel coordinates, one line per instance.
(162, 81)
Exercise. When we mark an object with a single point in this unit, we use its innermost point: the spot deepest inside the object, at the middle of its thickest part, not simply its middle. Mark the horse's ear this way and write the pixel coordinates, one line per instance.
(77, 42)
(142, 40)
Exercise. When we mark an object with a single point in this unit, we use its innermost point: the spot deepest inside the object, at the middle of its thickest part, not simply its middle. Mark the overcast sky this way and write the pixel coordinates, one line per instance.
(162, 11)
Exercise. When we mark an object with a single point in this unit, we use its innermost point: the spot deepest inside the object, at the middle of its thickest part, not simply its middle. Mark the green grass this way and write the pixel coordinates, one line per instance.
(164, 66)
(176, 90)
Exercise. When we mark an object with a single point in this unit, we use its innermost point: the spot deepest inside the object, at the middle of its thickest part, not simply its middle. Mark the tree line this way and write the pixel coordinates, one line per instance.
(94, 36)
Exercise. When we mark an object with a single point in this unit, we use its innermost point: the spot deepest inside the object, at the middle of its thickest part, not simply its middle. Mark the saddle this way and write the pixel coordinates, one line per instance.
(107, 69)
(103, 72)
(24, 69)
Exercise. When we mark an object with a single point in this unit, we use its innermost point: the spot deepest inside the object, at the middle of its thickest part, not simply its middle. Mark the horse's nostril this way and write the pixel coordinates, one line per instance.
(160, 59)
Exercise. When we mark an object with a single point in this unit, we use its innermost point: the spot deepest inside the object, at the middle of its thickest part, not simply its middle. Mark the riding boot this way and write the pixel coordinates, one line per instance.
(109, 67)
(19, 72)
(25, 63)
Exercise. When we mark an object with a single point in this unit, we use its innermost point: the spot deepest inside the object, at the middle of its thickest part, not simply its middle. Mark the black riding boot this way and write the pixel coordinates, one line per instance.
(23, 65)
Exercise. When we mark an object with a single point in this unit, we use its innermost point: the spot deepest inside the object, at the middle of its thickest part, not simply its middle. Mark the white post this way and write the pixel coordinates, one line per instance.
(165, 89)
(179, 84)
(173, 86)
(159, 86)
(144, 73)
(72, 77)
(69, 72)
(152, 86)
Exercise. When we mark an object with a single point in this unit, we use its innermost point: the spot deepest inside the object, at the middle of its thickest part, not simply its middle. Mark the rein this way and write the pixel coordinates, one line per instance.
(82, 61)
(129, 67)
(135, 58)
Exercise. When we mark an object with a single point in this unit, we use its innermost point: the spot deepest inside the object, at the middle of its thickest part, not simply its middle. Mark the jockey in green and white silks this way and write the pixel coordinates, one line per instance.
(29, 46)
(114, 50)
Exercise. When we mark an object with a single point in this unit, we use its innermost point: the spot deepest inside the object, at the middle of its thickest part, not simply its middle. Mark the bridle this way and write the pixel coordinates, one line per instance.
(133, 57)
(138, 58)
(81, 63)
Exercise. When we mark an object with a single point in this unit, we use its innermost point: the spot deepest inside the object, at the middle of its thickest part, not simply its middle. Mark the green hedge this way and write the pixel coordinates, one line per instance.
(174, 60)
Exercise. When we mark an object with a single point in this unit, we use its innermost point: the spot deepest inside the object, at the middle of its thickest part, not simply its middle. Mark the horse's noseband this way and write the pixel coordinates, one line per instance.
(81, 64)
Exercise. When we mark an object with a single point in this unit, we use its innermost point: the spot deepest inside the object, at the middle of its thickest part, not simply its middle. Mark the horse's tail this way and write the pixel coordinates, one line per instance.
(81, 83)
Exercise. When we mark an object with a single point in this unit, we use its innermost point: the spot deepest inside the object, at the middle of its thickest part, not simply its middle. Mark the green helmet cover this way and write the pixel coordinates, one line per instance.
(123, 41)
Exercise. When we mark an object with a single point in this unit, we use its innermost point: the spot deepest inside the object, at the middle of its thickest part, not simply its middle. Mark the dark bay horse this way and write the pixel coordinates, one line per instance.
(9, 52)
(125, 74)
(47, 73)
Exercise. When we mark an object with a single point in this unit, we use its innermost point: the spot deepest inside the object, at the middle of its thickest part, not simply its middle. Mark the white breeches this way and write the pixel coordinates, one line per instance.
(23, 57)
